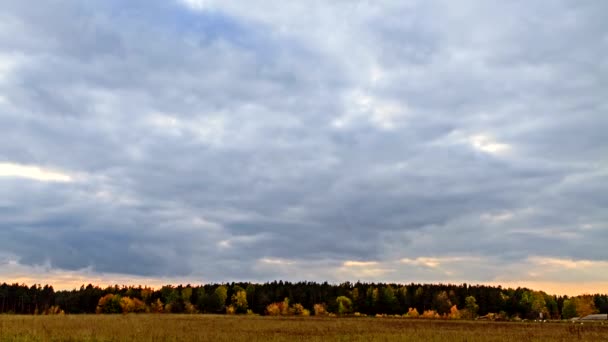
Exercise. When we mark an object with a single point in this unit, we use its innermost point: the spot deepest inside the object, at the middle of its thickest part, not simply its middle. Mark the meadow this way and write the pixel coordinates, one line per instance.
(149, 327)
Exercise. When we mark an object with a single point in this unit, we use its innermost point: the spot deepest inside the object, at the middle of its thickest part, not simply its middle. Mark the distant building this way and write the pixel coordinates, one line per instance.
(596, 317)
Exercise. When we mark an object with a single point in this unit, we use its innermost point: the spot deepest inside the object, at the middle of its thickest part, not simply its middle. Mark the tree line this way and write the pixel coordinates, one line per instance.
(304, 298)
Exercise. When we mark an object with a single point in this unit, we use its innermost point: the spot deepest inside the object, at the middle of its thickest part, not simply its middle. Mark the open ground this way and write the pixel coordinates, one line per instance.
(258, 328)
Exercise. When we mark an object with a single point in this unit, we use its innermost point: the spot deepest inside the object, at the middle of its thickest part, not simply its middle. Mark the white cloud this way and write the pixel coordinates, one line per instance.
(8, 63)
(497, 217)
(209, 129)
(224, 244)
(487, 144)
(368, 270)
(569, 263)
(197, 5)
(422, 261)
(276, 261)
(163, 121)
(366, 108)
(351, 263)
(33, 172)
(236, 241)
(436, 262)
(483, 142)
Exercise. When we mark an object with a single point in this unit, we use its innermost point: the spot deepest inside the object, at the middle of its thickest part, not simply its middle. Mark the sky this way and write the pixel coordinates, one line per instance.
(195, 141)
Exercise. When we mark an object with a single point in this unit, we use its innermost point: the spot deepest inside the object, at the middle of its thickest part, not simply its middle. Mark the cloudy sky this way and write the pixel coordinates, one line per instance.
(204, 141)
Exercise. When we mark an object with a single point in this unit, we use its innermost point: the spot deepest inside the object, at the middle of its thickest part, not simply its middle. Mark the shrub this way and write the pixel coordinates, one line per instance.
(466, 314)
(230, 310)
(273, 309)
(502, 316)
(320, 309)
(190, 309)
(138, 305)
(284, 307)
(157, 307)
(297, 309)
(430, 314)
(454, 313)
(54, 310)
(412, 313)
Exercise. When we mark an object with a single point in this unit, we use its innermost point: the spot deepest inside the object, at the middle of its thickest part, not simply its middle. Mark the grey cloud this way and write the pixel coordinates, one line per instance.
(206, 141)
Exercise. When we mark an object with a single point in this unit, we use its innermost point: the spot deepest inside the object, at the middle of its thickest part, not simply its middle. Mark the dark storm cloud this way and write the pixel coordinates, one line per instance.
(249, 141)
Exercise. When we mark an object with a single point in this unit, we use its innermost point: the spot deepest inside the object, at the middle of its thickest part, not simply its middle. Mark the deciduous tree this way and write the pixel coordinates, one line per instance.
(471, 307)
(239, 301)
(345, 305)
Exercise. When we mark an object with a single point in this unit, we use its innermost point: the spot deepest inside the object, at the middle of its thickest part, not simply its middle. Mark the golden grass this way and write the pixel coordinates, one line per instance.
(256, 328)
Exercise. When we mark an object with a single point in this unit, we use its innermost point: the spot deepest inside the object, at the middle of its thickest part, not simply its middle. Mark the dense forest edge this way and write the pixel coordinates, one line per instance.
(445, 301)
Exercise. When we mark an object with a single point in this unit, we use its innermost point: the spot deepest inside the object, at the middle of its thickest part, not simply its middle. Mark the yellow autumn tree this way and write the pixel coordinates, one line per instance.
(585, 305)
(239, 301)
(127, 305)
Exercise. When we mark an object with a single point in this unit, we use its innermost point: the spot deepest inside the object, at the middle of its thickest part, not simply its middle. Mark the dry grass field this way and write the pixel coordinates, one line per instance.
(256, 328)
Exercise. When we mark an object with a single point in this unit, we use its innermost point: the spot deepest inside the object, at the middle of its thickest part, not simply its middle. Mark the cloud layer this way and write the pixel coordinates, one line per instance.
(222, 140)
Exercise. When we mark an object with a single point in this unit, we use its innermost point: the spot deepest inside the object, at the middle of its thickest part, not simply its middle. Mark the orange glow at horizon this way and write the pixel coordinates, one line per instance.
(73, 280)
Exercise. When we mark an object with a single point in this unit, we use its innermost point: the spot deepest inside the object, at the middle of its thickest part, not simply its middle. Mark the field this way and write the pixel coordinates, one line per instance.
(256, 328)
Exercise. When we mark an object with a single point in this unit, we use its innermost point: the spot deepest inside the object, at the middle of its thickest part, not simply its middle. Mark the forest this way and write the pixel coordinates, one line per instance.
(304, 298)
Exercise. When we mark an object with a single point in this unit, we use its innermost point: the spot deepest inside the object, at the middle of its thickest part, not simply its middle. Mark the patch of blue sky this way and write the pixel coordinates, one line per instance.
(208, 25)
